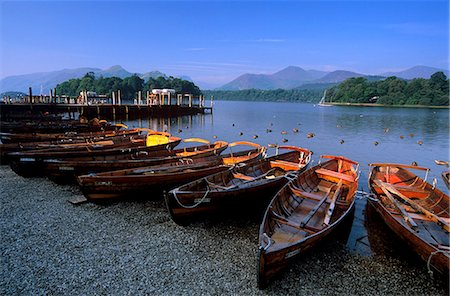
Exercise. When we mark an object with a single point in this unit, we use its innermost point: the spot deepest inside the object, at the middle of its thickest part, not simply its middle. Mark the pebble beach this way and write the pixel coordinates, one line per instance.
(50, 246)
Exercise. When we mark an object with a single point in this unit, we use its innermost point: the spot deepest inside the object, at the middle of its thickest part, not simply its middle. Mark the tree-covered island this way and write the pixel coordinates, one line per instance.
(392, 91)
(128, 86)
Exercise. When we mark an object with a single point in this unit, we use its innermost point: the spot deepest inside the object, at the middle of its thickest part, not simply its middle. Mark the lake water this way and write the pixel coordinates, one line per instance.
(338, 130)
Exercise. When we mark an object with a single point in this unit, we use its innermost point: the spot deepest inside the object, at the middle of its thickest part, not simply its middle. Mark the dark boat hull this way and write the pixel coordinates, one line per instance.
(30, 165)
(247, 187)
(98, 188)
(65, 171)
(258, 194)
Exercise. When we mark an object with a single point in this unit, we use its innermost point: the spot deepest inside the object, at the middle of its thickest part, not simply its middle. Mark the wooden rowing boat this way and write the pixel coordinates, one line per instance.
(414, 210)
(64, 145)
(56, 126)
(241, 186)
(30, 163)
(304, 212)
(446, 177)
(153, 179)
(67, 137)
(65, 170)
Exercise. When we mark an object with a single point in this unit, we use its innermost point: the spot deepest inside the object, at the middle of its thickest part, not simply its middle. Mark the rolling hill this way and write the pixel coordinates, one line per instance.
(287, 78)
(416, 72)
(44, 81)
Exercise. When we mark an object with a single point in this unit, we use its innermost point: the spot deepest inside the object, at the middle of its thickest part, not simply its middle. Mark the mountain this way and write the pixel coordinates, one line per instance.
(44, 81)
(416, 72)
(114, 71)
(152, 74)
(338, 76)
(289, 77)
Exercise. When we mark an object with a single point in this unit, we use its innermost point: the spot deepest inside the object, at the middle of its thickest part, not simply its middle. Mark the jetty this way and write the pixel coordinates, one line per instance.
(155, 103)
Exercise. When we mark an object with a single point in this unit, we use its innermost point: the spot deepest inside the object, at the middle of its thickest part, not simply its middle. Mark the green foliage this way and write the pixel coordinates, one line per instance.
(128, 86)
(393, 91)
(278, 95)
(179, 85)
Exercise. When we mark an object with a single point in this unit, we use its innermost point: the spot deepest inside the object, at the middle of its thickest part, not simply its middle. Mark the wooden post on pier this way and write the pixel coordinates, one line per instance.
(119, 95)
(54, 96)
(30, 95)
(212, 99)
(139, 97)
(190, 100)
(113, 94)
(51, 94)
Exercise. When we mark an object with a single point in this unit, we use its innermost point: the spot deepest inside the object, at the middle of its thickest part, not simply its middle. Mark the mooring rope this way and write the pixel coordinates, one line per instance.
(430, 272)
(195, 204)
(368, 195)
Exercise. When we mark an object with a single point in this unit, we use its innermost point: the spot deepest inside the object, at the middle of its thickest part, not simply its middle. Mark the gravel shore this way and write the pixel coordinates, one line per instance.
(49, 246)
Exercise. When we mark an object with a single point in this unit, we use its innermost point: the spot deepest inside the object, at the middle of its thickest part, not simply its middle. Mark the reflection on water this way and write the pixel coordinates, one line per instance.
(361, 133)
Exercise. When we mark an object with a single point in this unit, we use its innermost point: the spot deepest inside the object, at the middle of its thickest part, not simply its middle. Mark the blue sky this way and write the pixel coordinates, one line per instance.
(215, 41)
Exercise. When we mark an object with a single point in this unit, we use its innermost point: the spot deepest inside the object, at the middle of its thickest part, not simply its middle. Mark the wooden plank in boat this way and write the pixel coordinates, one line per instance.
(313, 211)
(336, 175)
(441, 237)
(409, 188)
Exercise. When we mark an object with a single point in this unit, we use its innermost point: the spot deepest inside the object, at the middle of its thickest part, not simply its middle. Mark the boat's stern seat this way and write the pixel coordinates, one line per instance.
(285, 165)
(334, 176)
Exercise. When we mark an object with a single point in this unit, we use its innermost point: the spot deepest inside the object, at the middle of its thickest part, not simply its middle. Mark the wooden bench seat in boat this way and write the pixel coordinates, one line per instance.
(293, 224)
(335, 175)
(283, 164)
(409, 188)
(308, 195)
(243, 177)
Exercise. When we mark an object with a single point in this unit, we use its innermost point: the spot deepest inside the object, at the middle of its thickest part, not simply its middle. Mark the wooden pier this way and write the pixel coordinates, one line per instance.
(153, 105)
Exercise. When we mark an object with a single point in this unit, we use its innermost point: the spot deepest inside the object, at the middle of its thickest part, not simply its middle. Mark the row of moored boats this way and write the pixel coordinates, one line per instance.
(302, 204)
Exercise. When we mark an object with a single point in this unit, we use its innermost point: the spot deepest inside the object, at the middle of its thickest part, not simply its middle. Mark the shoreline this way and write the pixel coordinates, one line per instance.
(384, 105)
(50, 246)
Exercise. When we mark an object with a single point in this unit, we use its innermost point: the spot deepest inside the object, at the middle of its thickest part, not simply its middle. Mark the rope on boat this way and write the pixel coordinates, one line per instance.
(430, 272)
(290, 176)
(191, 206)
(368, 195)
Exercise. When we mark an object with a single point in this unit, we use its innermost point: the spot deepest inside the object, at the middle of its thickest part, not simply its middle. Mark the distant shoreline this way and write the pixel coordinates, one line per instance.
(385, 105)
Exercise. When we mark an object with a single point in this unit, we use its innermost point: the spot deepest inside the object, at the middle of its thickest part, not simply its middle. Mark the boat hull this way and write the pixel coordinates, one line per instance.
(213, 202)
(96, 188)
(439, 261)
(271, 264)
(415, 211)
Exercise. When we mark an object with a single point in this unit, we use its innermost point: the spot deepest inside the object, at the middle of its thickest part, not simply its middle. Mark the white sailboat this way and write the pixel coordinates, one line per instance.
(322, 102)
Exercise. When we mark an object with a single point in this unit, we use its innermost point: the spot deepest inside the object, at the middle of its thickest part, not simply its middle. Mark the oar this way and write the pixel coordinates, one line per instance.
(433, 217)
(403, 212)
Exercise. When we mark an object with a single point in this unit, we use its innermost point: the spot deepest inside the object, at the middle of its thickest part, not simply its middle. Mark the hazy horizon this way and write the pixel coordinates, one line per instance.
(214, 42)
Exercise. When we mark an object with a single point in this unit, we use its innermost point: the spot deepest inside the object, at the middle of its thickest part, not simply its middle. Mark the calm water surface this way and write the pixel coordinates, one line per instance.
(359, 128)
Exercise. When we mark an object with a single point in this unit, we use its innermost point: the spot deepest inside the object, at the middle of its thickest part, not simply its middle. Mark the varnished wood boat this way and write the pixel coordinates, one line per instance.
(67, 137)
(56, 126)
(65, 170)
(304, 212)
(242, 186)
(30, 163)
(446, 178)
(414, 210)
(76, 144)
(154, 179)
